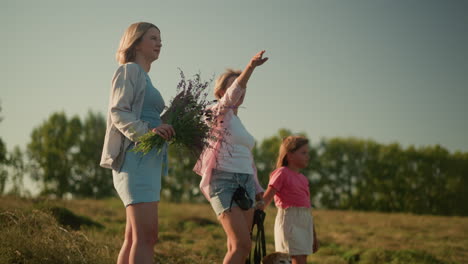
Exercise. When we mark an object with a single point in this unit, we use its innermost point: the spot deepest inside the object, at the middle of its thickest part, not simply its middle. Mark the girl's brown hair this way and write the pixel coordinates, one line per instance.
(289, 144)
(131, 38)
(220, 85)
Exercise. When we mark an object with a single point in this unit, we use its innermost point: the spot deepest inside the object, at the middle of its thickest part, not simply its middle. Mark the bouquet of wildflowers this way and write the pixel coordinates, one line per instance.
(187, 113)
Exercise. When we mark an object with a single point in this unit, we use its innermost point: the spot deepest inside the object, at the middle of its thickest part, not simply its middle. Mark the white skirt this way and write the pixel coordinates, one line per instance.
(294, 231)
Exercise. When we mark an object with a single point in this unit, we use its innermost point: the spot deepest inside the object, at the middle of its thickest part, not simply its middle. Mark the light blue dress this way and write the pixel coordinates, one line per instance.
(139, 179)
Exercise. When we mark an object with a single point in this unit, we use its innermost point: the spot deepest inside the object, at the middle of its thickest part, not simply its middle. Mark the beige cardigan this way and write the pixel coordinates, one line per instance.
(124, 125)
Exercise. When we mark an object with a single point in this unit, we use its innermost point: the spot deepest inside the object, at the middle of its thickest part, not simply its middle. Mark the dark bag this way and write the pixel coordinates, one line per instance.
(242, 199)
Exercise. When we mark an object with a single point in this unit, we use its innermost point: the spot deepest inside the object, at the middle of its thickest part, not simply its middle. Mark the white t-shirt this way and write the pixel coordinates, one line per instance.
(236, 154)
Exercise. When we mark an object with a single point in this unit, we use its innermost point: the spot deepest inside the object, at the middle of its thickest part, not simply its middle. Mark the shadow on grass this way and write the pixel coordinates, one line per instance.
(190, 223)
(67, 218)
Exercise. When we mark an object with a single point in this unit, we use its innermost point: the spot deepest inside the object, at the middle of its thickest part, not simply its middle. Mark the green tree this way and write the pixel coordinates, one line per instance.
(457, 185)
(364, 175)
(3, 162)
(367, 178)
(340, 167)
(52, 150)
(332, 173)
(87, 177)
(18, 168)
(181, 185)
(3, 166)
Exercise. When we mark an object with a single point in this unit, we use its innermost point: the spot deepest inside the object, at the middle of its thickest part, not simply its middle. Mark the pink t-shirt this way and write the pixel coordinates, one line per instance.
(292, 188)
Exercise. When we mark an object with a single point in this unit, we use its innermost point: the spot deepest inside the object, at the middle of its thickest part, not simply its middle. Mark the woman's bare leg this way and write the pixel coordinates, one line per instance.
(124, 253)
(144, 222)
(237, 228)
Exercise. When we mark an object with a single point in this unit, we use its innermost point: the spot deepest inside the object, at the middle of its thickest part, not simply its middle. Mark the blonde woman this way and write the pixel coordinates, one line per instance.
(135, 106)
(228, 165)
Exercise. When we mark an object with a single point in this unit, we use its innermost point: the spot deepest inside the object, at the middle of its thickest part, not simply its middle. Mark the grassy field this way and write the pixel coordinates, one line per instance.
(90, 231)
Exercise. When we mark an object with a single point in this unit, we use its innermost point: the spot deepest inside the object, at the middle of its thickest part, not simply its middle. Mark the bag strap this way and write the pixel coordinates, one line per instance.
(260, 245)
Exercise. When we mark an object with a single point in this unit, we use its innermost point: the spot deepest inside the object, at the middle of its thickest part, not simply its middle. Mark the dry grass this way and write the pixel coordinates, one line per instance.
(190, 233)
(444, 238)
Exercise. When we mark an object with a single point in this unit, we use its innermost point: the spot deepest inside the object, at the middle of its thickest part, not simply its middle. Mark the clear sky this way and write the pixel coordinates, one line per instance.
(388, 70)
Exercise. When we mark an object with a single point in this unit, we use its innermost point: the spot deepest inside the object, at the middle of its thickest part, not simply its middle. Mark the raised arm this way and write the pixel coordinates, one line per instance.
(235, 91)
(256, 60)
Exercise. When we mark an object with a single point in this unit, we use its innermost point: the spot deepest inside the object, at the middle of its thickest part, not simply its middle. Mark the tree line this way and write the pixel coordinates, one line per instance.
(344, 173)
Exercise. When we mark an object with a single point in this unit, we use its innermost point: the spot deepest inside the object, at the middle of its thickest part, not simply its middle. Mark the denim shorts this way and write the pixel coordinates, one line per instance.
(222, 187)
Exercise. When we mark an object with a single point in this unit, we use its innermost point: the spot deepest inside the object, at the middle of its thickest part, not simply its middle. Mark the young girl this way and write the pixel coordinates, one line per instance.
(294, 226)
